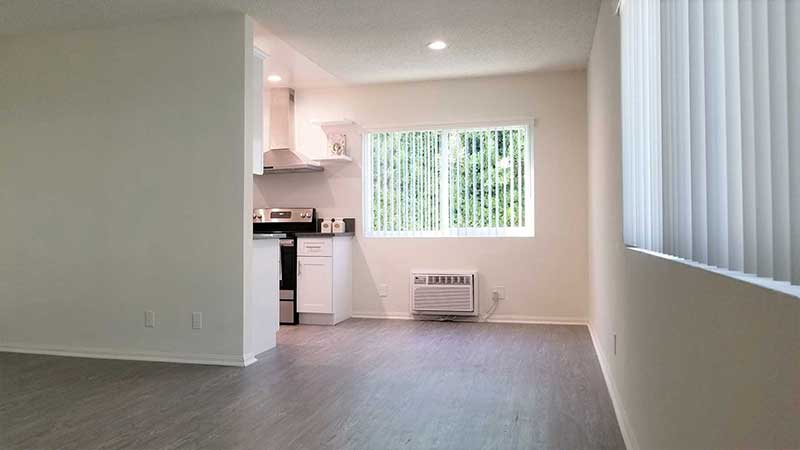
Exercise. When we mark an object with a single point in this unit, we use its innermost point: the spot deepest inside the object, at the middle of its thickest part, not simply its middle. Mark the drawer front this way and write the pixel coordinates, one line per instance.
(314, 247)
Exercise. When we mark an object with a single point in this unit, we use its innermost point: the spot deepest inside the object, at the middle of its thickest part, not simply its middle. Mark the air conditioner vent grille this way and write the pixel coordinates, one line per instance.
(443, 293)
(445, 299)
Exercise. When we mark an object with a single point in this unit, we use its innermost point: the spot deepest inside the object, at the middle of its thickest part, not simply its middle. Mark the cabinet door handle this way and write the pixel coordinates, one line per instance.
(299, 269)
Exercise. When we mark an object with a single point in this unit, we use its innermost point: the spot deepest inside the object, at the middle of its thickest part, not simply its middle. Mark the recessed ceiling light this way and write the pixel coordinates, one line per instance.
(437, 45)
(274, 78)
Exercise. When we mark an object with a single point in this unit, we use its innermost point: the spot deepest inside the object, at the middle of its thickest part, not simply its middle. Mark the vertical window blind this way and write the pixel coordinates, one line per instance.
(711, 132)
(449, 182)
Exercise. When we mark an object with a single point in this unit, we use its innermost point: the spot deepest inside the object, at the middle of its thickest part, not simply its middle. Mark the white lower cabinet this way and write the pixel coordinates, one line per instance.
(314, 281)
(324, 279)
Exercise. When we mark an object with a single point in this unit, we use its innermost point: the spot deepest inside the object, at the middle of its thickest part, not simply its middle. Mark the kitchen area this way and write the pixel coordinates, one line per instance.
(301, 262)
(315, 272)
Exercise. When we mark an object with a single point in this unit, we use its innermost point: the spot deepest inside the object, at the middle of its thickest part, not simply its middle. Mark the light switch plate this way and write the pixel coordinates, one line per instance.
(150, 319)
(197, 320)
(383, 290)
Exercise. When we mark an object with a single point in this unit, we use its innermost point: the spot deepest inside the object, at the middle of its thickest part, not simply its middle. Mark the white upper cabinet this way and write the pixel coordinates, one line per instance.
(259, 130)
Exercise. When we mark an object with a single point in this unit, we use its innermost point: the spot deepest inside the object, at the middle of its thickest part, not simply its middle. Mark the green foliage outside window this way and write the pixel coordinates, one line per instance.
(434, 180)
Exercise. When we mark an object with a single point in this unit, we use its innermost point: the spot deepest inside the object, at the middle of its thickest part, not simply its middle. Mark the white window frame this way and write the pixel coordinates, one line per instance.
(528, 231)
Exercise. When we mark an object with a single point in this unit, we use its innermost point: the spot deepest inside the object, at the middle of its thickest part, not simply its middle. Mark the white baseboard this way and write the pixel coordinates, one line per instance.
(133, 355)
(316, 319)
(394, 316)
(616, 400)
(247, 360)
(546, 320)
(542, 320)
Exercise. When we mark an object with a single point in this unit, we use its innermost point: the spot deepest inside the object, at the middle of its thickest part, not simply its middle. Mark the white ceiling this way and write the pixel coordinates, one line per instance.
(368, 41)
(295, 69)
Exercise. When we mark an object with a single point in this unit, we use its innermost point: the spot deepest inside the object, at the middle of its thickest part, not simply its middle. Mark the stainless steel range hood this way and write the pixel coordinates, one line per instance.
(281, 158)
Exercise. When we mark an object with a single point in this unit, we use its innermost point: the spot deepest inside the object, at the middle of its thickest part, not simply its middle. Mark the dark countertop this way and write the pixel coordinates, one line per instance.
(320, 234)
(268, 236)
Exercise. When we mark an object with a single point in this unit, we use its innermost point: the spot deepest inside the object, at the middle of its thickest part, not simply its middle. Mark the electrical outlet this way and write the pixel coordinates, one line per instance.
(499, 293)
(197, 320)
(615, 344)
(383, 290)
(150, 319)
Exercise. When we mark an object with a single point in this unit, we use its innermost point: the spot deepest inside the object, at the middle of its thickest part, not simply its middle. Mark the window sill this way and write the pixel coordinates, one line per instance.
(446, 236)
(778, 286)
(492, 233)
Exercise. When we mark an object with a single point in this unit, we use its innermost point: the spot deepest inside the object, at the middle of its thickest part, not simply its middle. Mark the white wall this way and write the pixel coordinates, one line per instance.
(123, 189)
(703, 361)
(545, 276)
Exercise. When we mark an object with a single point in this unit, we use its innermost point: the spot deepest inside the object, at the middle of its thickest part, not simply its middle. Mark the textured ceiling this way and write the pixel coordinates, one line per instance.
(368, 41)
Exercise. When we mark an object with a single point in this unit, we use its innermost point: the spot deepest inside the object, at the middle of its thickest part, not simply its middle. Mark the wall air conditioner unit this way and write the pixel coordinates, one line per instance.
(444, 293)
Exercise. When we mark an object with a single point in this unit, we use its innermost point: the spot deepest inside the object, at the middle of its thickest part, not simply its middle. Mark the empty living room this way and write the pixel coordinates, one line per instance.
(385, 225)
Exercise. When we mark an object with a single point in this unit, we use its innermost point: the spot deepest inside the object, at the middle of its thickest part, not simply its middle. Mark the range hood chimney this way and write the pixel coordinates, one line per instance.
(281, 158)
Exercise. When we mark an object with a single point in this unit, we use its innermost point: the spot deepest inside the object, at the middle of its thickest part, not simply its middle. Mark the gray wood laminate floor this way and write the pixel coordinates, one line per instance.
(364, 384)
